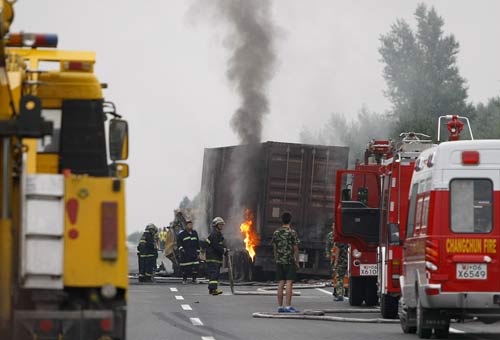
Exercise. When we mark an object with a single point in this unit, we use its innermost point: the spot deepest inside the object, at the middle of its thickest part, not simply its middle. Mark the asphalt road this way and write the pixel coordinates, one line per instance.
(172, 311)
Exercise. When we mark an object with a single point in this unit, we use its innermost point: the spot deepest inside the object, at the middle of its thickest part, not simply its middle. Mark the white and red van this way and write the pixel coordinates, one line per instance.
(451, 258)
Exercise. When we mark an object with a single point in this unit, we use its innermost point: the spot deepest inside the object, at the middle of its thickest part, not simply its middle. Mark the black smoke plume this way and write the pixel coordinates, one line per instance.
(251, 64)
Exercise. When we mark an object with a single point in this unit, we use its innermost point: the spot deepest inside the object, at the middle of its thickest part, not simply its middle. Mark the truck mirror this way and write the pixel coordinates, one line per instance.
(363, 195)
(393, 237)
(118, 139)
(119, 170)
(346, 194)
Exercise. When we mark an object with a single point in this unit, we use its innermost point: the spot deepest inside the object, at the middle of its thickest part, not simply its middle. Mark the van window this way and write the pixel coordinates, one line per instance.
(418, 219)
(425, 213)
(471, 205)
(411, 213)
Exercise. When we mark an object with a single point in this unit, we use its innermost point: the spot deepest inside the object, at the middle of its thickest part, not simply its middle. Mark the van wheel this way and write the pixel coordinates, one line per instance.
(356, 291)
(389, 306)
(404, 316)
(371, 292)
(423, 333)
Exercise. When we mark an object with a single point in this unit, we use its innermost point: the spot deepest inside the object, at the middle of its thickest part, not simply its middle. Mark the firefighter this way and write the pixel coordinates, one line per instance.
(329, 254)
(214, 253)
(148, 252)
(163, 238)
(340, 269)
(188, 245)
(337, 252)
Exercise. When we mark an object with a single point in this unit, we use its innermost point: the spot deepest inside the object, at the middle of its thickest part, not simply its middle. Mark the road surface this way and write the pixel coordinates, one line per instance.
(172, 311)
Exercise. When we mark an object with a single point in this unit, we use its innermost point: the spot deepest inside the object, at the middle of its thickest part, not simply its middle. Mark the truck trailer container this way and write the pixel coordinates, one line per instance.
(267, 179)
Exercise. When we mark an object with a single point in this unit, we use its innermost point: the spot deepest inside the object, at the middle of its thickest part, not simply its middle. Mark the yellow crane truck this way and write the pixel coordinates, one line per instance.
(63, 256)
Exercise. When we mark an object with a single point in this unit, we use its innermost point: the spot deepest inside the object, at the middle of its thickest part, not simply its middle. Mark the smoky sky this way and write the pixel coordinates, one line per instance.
(251, 62)
(166, 72)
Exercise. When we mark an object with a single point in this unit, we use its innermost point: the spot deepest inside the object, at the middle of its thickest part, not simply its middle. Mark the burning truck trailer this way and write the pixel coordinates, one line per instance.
(251, 185)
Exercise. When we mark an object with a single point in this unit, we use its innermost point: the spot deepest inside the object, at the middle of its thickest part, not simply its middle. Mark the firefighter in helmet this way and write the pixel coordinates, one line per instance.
(214, 253)
(147, 252)
(188, 245)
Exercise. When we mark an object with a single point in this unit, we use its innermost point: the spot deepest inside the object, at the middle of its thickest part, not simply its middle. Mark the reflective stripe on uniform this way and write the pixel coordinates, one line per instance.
(208, 241)
(211, 282)
(189, 263)
(190, 238)
(214, 261)
(142, 241)
(147, 255)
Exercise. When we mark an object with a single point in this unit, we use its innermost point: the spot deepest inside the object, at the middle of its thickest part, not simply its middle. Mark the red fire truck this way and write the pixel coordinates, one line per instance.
(396, 176)
(357, 221)
(451, 263)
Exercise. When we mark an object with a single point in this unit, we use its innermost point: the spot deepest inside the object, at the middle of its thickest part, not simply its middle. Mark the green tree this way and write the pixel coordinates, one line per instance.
(355, 134)
(486, 123)
(421, 72)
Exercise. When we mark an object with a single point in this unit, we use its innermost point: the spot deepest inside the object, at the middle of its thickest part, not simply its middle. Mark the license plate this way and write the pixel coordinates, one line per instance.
(472, 271)
(368, 270)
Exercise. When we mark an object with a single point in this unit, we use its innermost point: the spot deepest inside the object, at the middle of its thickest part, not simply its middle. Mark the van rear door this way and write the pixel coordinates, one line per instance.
(471, 246)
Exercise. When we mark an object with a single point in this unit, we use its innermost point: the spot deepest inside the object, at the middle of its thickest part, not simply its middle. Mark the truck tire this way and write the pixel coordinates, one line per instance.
(422, 332)
(371, 291)
(389, 306)
(356, 291)
(405, 314)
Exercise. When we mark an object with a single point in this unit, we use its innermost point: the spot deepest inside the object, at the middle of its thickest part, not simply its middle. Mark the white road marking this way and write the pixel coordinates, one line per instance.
(173, 289)
(324, 291)
(329, 293)
(179, 297)
(207, 338)
(456, 331)
(196, 321)
(186, 307)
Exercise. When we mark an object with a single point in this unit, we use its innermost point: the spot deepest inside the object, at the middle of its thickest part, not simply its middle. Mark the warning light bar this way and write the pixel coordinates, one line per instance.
(470, 157)
(32, 40)
(83, 66)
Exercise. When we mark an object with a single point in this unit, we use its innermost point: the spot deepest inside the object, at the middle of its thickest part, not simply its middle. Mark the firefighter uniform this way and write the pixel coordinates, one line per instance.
(188, 245)
(214, 253)
(147, 253)
(338, 264)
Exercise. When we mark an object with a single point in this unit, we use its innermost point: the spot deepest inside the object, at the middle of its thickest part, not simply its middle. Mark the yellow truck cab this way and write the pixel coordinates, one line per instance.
(63, 197)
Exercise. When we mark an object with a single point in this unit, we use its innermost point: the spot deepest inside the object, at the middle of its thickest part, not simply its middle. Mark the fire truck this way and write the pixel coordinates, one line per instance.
(63, 256)
(358, 195)
(451, 262)
(395, 177)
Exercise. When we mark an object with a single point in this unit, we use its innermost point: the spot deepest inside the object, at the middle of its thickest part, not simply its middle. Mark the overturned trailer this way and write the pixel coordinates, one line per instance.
(268, 179)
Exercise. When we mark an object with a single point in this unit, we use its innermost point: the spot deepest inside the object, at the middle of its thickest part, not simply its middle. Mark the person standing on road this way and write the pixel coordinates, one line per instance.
(286, 253)
(330, 254)
(147, 252)
(214, 253)
(188, 245)
(337, 252)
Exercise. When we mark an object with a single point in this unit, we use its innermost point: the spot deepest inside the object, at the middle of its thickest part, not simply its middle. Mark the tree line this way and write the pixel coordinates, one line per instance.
(423, 82)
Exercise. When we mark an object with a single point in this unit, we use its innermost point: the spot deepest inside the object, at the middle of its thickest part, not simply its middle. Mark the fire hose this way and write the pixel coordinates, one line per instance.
(320, 315)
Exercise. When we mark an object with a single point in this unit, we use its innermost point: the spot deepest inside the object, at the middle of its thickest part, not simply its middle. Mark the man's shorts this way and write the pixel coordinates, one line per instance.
(285, 272)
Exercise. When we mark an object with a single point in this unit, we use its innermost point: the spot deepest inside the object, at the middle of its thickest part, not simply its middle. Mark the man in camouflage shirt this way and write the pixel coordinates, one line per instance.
(338, 263)
(286, 253)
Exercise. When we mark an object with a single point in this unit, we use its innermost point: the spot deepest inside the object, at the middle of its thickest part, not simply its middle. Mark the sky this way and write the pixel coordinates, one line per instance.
(165, 65)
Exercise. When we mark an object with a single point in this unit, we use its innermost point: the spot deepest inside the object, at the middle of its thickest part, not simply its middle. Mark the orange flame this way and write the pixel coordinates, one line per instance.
(251, 238)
